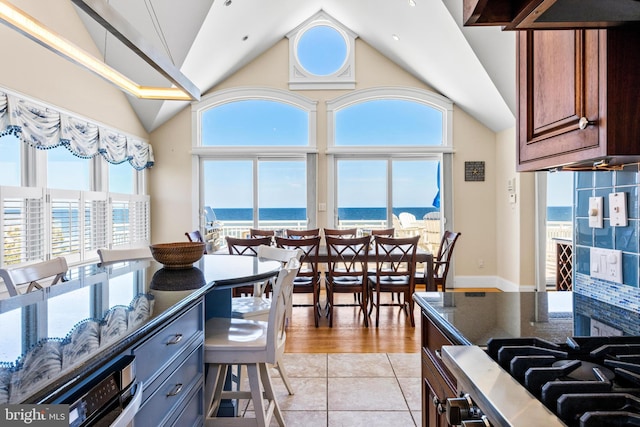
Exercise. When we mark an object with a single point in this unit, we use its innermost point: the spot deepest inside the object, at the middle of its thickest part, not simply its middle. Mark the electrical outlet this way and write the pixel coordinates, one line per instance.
(606, 264)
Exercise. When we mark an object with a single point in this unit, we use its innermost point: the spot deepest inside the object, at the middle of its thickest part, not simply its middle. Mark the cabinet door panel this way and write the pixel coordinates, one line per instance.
(557, 86)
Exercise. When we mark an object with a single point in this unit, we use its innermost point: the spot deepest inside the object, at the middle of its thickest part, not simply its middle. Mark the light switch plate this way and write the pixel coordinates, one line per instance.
(596, 205)
(606, 264)
(618, 209)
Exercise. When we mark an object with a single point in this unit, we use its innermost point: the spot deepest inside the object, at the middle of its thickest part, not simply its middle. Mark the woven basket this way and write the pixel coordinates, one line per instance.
(178, 254)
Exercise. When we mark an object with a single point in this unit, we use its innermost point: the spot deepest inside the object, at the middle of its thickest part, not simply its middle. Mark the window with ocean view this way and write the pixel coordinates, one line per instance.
(279, 196)
(257, 175)
(388, 148)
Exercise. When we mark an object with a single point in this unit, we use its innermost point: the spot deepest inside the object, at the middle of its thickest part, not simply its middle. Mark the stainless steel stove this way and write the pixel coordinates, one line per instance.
(525, 382)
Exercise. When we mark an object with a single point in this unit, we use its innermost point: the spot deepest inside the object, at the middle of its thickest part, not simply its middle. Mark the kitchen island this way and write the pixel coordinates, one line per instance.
(472, 318)
(60, 335)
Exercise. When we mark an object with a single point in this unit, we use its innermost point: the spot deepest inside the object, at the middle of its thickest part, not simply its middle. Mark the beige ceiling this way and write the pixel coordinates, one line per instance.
(474, 67)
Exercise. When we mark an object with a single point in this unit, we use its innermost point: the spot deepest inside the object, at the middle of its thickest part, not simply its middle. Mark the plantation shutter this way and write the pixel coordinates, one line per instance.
(23, 225)
(140, 223)
(96, 223)
(129, 220)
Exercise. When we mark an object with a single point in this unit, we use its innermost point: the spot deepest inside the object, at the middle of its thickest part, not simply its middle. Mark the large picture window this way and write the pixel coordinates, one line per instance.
(390, 156)
(58, 186)
(268, 194)
(256, 153)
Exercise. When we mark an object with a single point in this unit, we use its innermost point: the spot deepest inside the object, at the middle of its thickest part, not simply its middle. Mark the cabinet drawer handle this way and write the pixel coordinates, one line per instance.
(438, 354)
(177, 389)
(175, 340)
(584, 122)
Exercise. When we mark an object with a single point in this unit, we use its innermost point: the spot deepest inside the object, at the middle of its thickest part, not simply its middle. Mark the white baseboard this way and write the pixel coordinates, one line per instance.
(489, 282)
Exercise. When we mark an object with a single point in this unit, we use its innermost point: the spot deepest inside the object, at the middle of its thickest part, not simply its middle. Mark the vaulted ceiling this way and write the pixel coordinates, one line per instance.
(210, 40)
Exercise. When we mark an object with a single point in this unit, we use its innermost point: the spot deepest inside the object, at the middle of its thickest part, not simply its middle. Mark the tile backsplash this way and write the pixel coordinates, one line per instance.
(626, 239)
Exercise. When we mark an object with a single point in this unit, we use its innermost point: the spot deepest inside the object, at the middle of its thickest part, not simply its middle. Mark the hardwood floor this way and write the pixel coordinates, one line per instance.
(348, 335)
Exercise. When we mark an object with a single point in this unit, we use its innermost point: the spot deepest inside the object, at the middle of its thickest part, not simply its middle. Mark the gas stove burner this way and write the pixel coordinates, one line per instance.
(585, 371)
(570, 406)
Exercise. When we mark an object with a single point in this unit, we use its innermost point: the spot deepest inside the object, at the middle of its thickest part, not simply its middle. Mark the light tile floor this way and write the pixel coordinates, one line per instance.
(350, 390)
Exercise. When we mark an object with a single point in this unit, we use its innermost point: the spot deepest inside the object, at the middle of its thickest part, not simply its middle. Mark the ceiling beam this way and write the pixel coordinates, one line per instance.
(119, 27)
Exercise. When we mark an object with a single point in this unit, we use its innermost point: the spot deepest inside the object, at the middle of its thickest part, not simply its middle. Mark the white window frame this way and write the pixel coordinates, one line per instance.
(443, 153)
(343, 78)
(201, 153)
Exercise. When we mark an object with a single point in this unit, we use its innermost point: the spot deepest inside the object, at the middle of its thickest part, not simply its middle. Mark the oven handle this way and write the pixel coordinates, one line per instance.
(129, 412)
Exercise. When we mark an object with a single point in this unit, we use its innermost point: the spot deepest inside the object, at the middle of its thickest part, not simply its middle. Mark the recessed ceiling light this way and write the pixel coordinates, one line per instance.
(412, 3)
(395, 37)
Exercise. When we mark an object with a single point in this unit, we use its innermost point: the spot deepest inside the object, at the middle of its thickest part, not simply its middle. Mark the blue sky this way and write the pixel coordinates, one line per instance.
(560, 189)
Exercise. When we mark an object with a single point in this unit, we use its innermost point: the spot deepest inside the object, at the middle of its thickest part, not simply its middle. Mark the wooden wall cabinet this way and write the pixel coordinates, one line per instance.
(578, 98)
(550, 14)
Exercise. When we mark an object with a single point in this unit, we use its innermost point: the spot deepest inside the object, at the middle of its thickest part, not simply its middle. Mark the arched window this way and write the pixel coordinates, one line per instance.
(389, 161)
(256, 159)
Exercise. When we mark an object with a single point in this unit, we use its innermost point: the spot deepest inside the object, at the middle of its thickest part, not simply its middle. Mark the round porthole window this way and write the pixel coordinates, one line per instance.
(322, 50)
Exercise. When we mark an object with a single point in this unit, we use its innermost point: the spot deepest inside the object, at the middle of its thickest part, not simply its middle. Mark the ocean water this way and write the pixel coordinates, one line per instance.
(554, 213)
(559, 213)
(296, 214)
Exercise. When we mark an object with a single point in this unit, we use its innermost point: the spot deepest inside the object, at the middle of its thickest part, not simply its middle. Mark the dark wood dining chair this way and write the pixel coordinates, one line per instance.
(347, 272)
(255, 233)
(349, 233)
(196, 236)
(240, 246)
(385, 232)
(308, 278)
(442, 262)
(292, 233)
(394, 274)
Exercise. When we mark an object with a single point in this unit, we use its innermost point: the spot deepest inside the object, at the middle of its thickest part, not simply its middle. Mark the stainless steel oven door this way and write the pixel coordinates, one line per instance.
(110, 396)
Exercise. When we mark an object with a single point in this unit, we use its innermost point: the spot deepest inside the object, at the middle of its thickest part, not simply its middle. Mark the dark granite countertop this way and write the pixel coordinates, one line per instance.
(471, 318)
(52, 337)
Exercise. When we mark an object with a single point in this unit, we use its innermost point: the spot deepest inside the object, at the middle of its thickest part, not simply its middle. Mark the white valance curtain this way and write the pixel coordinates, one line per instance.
(44, 128)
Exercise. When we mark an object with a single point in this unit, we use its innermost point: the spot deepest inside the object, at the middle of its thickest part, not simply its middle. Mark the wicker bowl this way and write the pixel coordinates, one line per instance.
(178, 254)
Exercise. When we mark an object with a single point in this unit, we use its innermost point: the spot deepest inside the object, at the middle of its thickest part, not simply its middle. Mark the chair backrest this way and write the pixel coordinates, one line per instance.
(280, 303)
(443, 260)
(255, 233)
(33, 274)
(210, 215)
(115, 255)
(396, 257)
(314, 232)
(310, 247)
(196, 236)
(239, 246)
(385, 232)
(407, 219)
(347, 257)
(273, 253)
(348, 233)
